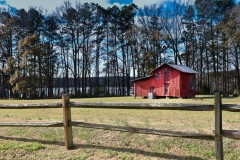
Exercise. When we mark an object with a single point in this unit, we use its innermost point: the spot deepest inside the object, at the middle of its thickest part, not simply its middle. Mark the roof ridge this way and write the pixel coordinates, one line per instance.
(181, 68)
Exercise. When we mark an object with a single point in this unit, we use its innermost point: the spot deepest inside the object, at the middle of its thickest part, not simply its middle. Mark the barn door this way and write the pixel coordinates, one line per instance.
(166, 86)
(152, 90)
(166, 80)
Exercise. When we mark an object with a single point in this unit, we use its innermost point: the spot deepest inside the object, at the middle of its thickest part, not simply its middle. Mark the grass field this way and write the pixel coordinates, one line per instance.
(47, 143)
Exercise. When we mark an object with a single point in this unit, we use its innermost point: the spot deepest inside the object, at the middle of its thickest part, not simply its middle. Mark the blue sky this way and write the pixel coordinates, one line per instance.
(52, 4)
(121, 2)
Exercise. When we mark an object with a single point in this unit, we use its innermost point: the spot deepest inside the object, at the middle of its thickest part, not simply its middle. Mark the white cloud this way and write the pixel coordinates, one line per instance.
(141, 3)
(118, 4)
(51, 4)
(2, 6)
(46, 4)
(103, 3)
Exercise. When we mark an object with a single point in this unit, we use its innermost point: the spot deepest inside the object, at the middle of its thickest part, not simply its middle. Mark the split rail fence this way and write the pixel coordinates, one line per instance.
(67, 123)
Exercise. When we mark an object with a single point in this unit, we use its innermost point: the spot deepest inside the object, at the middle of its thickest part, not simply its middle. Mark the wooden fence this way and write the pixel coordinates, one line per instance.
(68, 123)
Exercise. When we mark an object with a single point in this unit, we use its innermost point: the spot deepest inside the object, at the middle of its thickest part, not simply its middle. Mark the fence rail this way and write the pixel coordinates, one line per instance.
(108, 105)
(231, 107)
(30, 106)
(67, 123)
(155, 106)
(234, 134)
(31, 124)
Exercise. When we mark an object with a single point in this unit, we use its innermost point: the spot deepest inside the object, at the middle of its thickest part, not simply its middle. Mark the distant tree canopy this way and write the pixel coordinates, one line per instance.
(82, 42)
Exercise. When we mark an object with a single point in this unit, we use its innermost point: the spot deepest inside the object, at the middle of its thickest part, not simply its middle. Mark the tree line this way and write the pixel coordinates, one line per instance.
(83, 43)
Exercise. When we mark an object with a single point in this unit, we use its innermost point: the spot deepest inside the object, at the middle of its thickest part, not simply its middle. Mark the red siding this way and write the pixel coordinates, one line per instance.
(141, 88)
(187, 90)
(178, 84)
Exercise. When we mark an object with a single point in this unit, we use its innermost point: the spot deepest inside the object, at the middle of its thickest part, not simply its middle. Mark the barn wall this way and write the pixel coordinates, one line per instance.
(173, 83)
(157, 81)
(186, 90)
(178, 84)
(141, 88)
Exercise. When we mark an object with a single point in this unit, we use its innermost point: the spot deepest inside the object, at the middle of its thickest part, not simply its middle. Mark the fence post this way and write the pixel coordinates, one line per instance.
(218, 126)
(68, 136)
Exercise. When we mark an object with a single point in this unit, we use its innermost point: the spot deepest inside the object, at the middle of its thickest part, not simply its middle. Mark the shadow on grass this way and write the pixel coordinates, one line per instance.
(137, 151)
(32, 140)
(212, 97)
(203, 97)
(230, 97)
(101, 147)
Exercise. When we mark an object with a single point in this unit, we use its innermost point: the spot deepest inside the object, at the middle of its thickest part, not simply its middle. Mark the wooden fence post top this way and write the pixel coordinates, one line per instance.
(66, 98)
(217, 99)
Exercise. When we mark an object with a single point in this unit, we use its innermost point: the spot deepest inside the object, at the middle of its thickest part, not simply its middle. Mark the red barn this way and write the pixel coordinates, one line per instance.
(167, 80)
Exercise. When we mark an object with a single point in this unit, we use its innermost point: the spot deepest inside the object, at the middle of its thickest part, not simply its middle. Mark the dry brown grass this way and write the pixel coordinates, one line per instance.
(47, 143)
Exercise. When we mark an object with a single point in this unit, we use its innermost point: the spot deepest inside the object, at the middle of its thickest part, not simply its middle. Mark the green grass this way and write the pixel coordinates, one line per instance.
(48, 143)
(29, 147)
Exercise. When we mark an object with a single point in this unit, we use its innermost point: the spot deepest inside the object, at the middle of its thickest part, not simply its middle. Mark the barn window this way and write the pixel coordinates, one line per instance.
(166, 88)
(166, 75)
(192, 82)
(158, 75)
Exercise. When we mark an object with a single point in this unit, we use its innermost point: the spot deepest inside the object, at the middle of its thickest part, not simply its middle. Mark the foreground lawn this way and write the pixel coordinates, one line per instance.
(47, 143)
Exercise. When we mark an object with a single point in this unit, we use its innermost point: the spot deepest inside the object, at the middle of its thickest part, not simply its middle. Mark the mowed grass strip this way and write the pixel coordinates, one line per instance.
(47, 143)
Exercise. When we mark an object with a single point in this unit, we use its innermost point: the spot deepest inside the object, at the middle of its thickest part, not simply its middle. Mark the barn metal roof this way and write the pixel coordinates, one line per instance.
(180, 68)
(141, 78)
(183, 69)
